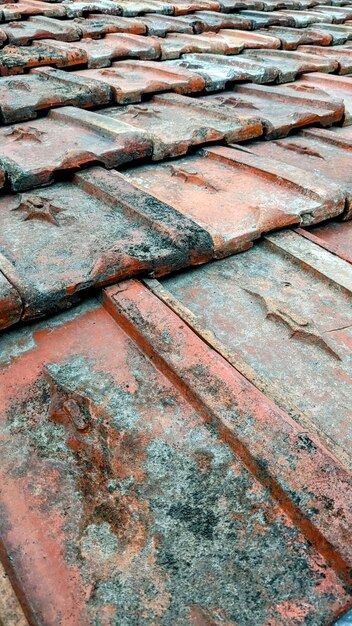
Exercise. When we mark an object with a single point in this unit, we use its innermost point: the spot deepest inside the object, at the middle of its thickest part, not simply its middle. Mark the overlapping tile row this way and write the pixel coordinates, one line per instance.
(315, 150)
(33, 153)
(248, 195)
(334, 87)
(142, 474)
(336, 237)
(237, 196)
(47, 263)
(46, 24)
(280, 108)
(288, 293)
(260, 66)
(27, 8)
(131, 81)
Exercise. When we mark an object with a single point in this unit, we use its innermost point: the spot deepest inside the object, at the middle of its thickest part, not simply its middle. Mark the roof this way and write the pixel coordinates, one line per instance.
(175, 306)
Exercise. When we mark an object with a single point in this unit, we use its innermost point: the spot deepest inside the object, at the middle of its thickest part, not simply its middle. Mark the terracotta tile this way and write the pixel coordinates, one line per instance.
(337, 14)
(131, 80)
(315, 150)
(279, 108)
(66, 139)
(291, 38)
(9, 13)
(237, 197)
(78, 9)
(199, 22)
(102, 52)
(220, 71)
(37, 7)
(229, 6)
(275, 299)
(297, 19)
(92, 231)
(212, 21)
(275, 5)
(96, 25)
(161, 25)
(177, 123)
(10, 302)
(339, 33)
(269, 434)
(16, 60)
(336, 237)
(340, 54)
(138, 7)
(182, 7)
(175, 45)
(291, 64)
(261, 19)
(146, 498)
(311, 16)
(22, 97)
(333, 86)
(39, 27)
(249, 39)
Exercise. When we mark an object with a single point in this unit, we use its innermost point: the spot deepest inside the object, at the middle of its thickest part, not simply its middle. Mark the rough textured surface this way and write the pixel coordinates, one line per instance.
(125, 231)
(131, 80)
(140, 503)
(277, 302)
(334, 236)
(176, 123)
(180, 454)
(237, 197)
(314, 150)
(22, 97)
(10, 609)
(291, 64)
(332, 86)
(67, 139)
(280, 109)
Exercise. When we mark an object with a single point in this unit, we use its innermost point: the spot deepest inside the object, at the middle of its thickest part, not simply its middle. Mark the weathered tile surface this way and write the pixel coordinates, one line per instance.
(237, 197)
(16, 60)
(291, 64)
(203, 21)
(333, 236)
(24, 32)
(216, 388)
(280, 108)
(21, 97)
(176, 123)
(291, 38)
(59, 241)
(338, 15)
(10, 303)
(219, 72)
(175, 452)
(341, 54)
(333, 86)
(316, 150)
(142, 506)
(102, 52)
(67, 139)
(96, 26)
(130, 80)
(275, 299)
